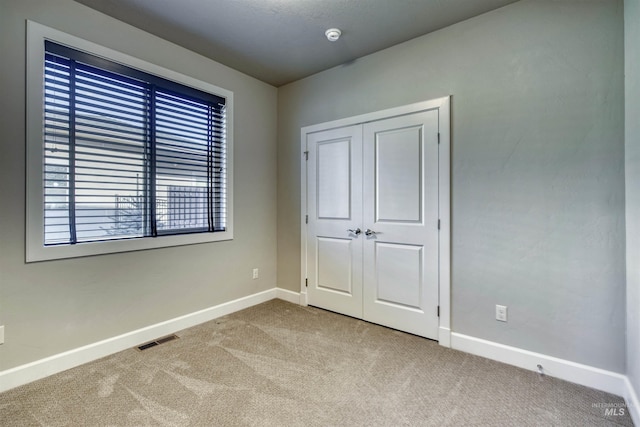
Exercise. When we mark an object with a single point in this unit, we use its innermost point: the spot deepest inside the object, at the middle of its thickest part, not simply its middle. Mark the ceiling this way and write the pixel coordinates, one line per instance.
(280, 41)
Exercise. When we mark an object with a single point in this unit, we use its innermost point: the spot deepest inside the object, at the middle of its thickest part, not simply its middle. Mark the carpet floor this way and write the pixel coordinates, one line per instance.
(279, 364)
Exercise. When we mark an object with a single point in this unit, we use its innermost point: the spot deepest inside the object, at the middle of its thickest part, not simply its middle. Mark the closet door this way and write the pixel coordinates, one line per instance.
(400, 223)
(372, 235)
(334, 197)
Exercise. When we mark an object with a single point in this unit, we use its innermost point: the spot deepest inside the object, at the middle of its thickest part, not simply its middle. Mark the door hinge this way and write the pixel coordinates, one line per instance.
(438, 224)
(306, 219)
(438, 137)
(438, 311)
(306, 155)
(306, 283)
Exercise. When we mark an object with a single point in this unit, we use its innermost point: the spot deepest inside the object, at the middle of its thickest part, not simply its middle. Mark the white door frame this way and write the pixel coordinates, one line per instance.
(443, 106)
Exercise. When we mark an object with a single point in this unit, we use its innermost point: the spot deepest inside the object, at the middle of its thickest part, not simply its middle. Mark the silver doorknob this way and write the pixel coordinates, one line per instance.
(369, 232)
(356, 231)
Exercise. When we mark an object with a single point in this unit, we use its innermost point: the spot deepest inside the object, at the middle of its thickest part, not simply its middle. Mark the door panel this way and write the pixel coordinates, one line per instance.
(398, 175)
(334, 260)
(401, 206)
(333, 176)
(335, 271)
(398, 264)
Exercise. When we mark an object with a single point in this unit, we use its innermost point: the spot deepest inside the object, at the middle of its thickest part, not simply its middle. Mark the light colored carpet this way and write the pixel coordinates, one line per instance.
(279, 364)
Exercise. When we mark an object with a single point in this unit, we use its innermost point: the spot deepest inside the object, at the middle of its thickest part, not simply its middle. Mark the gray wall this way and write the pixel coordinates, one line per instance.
(537, 167)
(632, 170)
(51, 307)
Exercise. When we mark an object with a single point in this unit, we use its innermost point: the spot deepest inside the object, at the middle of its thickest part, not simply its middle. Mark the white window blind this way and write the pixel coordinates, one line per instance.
(128, 154)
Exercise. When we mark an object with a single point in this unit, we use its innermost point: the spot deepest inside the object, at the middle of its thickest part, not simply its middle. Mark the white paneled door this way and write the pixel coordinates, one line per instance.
(335, 198)
(372, 234)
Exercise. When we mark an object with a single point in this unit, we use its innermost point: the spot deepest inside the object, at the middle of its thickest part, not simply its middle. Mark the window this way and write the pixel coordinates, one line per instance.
(127, 154)
(130, 156)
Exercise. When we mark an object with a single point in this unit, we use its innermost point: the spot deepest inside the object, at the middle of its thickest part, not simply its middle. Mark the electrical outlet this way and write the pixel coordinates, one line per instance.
(2, 334)
(255, 273)
(501, 313)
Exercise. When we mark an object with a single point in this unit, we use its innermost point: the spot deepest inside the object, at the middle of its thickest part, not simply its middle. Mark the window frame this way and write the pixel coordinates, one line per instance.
(36, 250)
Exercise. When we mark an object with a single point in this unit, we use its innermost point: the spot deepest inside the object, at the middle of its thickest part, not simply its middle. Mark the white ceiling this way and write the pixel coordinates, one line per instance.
(280, 41)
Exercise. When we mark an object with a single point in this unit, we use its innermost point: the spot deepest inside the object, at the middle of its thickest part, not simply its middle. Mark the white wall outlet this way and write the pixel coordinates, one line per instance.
(501, 313)
(255, 273)
(2, 334)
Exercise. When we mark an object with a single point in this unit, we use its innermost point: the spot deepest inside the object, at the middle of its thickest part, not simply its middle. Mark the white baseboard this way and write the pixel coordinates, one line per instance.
(597, 378)
(287, 295)
(33, 371)
(633, 403)
(444, 337)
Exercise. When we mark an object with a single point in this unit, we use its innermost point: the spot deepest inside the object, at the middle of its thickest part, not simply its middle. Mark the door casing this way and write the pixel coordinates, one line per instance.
(444, 197)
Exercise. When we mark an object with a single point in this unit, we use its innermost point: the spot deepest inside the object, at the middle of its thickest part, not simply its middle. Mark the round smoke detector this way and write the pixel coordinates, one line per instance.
(333, 34)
